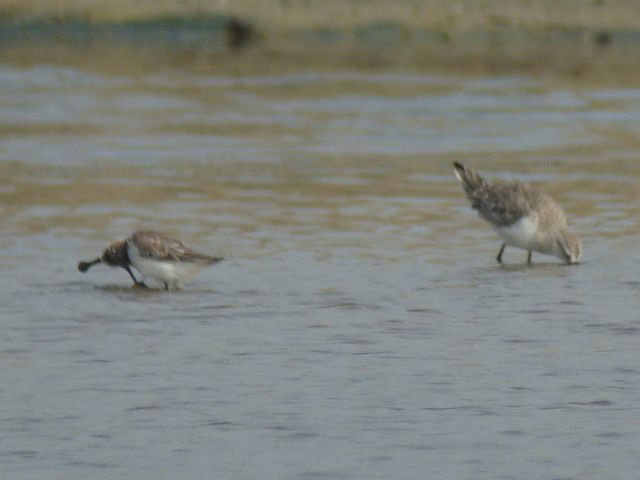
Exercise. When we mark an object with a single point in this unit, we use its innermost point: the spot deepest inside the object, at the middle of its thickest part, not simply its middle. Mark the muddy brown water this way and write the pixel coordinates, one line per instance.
(359, 326)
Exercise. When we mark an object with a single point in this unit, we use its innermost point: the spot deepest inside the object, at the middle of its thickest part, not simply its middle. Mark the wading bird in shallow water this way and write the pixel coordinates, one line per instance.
(154, 255)
(522, 215)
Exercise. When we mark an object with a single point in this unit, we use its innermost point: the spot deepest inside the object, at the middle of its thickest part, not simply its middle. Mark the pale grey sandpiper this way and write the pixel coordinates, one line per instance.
(522, 215)
(154, 255)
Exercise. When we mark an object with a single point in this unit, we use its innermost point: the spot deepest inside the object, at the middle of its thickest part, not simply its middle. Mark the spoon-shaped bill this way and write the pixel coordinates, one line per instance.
(84, 266)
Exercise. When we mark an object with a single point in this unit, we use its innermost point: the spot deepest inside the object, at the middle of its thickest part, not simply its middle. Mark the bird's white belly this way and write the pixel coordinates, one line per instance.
(522, 233)
(171, 273)
(163, 271)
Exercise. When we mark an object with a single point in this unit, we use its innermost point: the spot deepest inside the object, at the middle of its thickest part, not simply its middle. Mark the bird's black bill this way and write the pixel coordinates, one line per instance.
(84, 266)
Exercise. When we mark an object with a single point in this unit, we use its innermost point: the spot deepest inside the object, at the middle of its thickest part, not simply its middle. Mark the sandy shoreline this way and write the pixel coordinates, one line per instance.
(286, 15)
(566, 37)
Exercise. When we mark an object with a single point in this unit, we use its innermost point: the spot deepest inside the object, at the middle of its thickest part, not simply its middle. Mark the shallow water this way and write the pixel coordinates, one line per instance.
(359, 326)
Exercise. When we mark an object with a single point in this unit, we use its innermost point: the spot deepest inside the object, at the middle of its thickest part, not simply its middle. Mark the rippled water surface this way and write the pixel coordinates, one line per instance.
(359, 327)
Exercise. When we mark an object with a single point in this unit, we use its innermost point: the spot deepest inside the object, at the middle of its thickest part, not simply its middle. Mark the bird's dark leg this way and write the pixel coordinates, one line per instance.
(135, 280)
(499, 257)
(166, 286)
(529, 257)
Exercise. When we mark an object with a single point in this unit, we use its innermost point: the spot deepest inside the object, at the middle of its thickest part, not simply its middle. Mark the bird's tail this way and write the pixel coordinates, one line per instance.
(213, 260)
(470, 180)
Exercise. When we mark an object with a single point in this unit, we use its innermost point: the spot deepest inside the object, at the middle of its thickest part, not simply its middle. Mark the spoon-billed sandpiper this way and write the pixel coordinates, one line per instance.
(154, 255)
(522, 215)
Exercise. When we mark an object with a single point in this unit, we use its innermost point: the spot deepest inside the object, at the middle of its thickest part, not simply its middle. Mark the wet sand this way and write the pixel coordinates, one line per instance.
(359, 327)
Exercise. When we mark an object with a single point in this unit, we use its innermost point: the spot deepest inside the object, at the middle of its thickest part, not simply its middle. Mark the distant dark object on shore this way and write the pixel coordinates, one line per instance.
(603, 38)
(238, 33)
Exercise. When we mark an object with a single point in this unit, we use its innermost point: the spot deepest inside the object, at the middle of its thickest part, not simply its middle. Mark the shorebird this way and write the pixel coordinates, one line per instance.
(522, 215)
(154, 255)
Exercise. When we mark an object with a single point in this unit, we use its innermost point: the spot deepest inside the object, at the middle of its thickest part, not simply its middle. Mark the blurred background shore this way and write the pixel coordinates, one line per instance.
(591, 39)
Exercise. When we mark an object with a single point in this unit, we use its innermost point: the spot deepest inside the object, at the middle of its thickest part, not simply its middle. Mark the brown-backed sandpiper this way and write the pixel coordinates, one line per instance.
(154, 255)
(522, 215)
